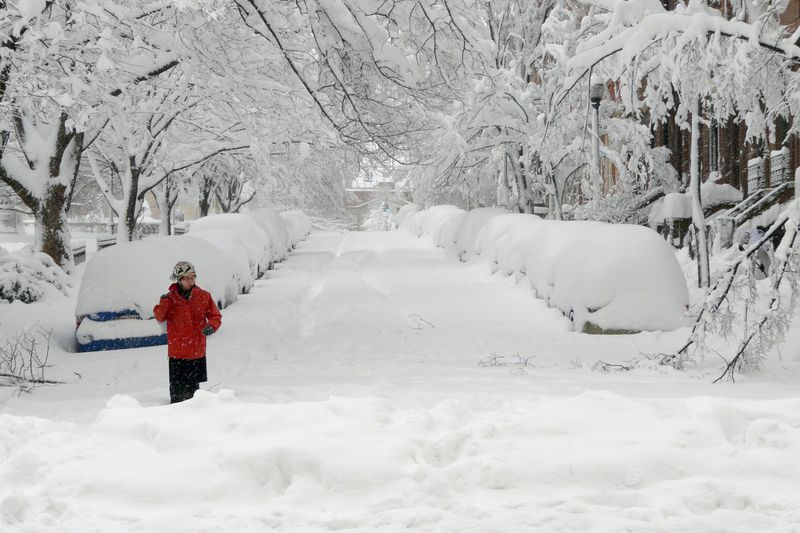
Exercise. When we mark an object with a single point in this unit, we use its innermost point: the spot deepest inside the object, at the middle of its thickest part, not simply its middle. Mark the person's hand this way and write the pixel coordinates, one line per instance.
(208, 330)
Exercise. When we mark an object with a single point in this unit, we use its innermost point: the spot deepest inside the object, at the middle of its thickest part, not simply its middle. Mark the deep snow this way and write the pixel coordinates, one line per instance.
(359, 388)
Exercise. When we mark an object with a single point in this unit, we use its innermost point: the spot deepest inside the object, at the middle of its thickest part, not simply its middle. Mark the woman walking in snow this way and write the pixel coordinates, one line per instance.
(191, 316)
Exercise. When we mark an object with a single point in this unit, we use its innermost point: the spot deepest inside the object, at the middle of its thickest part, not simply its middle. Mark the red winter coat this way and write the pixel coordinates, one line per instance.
(186, 320)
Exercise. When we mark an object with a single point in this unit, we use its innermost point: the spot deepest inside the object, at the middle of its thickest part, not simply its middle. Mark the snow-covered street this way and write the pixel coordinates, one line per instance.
(360, 387)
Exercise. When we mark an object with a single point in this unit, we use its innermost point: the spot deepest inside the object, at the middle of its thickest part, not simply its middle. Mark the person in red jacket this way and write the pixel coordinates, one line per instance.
(191, 316)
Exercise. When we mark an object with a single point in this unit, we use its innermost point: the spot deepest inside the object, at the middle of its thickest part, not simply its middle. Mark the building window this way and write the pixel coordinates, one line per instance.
(735, 154)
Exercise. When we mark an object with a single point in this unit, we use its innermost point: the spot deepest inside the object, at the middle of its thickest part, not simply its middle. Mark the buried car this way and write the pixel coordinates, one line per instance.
(606, 278)
(122, 283)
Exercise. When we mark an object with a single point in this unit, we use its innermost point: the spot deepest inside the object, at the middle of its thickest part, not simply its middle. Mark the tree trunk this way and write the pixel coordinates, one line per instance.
(50, 206)
(127, 230)
(205, 204)
(698, 218)
(555, 199)
(52, 232)
(164, 207)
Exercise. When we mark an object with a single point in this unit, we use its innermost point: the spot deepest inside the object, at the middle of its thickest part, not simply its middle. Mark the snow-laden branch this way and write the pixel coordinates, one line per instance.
(720, 292)
(636, 24)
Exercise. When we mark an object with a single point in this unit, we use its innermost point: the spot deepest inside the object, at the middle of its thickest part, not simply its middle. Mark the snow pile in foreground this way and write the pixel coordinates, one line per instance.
(604, 276)
(596, 462)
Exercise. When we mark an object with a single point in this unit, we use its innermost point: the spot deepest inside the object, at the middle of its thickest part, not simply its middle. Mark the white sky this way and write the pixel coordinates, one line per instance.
(346, 394)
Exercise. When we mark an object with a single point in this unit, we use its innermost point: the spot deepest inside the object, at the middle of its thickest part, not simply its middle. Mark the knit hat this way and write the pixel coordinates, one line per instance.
(182, 268)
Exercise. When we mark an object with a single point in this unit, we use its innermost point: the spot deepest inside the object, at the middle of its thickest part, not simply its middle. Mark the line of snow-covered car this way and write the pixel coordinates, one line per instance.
(606, 278)
(122, 283)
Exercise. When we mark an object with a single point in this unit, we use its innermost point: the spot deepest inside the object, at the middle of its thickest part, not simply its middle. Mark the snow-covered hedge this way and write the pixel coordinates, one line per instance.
(604, 277)
(28, 276)
(298, 224)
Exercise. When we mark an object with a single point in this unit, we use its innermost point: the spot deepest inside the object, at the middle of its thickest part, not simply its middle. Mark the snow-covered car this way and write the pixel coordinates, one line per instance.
(606, 278)
(273, 225)
(298, 225)
(122, 283)
(259, 247)
(399, 218)
(235, 249)
(440, 223)
(470, 227)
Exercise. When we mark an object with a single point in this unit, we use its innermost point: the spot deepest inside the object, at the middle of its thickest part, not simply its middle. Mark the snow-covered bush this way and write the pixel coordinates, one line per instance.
(298, 224)
(604, 277)
(28, 276)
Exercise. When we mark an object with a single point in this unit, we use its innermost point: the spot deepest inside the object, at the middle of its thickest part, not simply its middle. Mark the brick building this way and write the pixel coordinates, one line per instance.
(723, 149)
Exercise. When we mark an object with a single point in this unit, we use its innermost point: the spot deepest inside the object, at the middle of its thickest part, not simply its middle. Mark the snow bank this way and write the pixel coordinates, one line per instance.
(602, 276)
(480, 463)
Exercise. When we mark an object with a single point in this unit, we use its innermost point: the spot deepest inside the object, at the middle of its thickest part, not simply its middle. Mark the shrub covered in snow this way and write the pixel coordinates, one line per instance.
(604, 277)
(28, 276)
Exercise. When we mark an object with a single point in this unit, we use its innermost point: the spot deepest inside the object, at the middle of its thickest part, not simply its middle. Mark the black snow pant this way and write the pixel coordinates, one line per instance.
(185, 376)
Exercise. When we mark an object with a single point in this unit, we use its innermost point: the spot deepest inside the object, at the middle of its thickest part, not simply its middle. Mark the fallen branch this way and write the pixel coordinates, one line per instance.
(774, 305)
(718, 293)
(602, 366)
